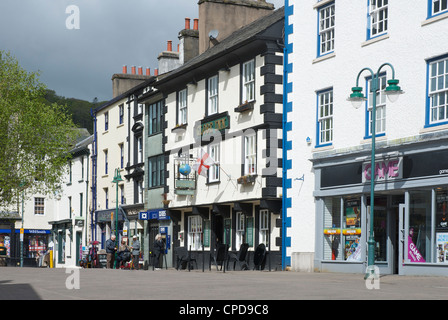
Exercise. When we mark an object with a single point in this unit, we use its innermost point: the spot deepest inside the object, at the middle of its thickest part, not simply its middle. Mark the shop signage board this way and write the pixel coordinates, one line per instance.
(385, 170)
(159, 214)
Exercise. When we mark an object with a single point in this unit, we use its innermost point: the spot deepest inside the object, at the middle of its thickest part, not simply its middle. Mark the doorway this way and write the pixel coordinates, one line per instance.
(388, 228)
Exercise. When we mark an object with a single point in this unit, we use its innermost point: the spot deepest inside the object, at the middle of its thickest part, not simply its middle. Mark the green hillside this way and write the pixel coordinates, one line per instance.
(79, 109)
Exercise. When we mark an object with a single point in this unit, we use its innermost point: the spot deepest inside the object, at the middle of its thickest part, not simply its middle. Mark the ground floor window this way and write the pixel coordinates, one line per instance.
(342, 223)
(195, 232)
(5, 244)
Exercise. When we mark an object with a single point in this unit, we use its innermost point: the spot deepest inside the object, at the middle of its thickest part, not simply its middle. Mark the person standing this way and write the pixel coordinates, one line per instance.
(135, 251)
(158, 250)
(110, 250)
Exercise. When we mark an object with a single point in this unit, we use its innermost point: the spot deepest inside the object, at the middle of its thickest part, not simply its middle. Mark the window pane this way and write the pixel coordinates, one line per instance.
(419, 233)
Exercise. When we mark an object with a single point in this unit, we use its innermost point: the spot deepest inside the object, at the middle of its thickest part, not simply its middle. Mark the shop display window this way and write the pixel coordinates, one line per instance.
(419, 233)
(5, 244)
(332, 229)
(35, 245)
(441, 225)
(342, 229)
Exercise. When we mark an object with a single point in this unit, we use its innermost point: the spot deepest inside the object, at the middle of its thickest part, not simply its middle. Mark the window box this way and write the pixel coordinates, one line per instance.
(247, 106)
(247, 179)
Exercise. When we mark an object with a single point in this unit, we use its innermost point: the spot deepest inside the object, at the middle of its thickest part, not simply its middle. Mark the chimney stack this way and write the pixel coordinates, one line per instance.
(196, 24)
(227, 17)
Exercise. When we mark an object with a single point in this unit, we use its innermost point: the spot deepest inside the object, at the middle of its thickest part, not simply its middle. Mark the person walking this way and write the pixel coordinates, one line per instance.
(158, 251)
(135, 251)
(110, 250)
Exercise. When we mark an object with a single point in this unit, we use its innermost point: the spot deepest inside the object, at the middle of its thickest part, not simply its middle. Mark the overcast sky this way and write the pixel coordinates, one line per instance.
(80, 62)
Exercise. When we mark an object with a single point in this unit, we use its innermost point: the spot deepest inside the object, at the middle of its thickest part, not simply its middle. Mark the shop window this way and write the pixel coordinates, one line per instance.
(332, 228)
(35, 245)
(342, 222)
(419, 233)
(264, 226)
(441, 225)
(240, 227)
(195, 232)
(379, 227)
(5, 244)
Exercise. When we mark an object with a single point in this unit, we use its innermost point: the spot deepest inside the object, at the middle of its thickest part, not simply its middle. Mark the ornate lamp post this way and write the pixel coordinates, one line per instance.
(357, 97)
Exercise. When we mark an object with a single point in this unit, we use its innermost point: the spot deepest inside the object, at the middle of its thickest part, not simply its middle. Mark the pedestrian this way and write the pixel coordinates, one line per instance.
(135, 251)
(123, 253)
(110, 250)
(158, 250)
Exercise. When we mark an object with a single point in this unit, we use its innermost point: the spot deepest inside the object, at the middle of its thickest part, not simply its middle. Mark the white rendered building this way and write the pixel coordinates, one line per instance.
(328, 182)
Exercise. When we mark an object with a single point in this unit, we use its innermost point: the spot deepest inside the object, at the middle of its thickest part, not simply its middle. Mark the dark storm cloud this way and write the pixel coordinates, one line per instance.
(112, 33)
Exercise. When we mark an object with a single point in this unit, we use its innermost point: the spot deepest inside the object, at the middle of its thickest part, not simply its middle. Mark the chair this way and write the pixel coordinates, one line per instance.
(259, 257)
(184, 257)
(219, 256)
(239, 257)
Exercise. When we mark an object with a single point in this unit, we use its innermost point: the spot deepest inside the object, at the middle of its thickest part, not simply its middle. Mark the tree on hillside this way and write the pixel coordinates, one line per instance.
(35, 137)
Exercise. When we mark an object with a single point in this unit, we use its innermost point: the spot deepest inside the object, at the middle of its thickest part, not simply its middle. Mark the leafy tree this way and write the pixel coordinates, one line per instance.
(35, 137)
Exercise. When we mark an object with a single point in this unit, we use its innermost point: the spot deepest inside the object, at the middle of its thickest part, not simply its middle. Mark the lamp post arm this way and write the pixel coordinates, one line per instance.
(360, 72)
(391, 67)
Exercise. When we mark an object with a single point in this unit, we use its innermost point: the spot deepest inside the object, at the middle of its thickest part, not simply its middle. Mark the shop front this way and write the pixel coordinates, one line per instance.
(410, 210)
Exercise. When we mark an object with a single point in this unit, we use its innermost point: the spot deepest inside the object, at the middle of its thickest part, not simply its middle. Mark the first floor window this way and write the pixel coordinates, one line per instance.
(439, 6)
(378, 17)
(213, 172)
(156, 171)
(155, 118)
(438, 90)
(39, 206)
(106, 198)
(195, 232)
(325, 117)
(380, 127)
(250, 154)
(121, 114)
(106, 161)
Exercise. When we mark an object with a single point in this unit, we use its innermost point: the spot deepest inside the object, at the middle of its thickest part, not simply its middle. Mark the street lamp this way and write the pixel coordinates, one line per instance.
(117, 179)
(392, 92)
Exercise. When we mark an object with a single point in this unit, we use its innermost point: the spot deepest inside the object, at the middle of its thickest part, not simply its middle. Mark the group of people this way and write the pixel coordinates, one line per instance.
(124, 251)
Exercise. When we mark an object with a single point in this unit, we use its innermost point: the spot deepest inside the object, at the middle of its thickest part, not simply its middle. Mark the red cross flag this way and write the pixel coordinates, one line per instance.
(203, 163)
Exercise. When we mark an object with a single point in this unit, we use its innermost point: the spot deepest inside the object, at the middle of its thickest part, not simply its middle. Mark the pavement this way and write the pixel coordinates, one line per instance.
(106, 284)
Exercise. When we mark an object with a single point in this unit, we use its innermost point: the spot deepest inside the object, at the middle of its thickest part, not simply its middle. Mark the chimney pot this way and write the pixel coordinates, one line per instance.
(125, 69)
(196, 24)
(133, 69)
(140, 71)
(148, 71)
(170, 45)
(187, 23)
(156, 72)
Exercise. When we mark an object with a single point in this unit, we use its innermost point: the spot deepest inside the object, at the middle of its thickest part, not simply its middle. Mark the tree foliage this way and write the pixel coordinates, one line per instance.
(35, 137)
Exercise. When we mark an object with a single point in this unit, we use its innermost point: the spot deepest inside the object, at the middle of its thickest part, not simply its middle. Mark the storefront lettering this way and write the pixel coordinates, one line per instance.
(384, 170)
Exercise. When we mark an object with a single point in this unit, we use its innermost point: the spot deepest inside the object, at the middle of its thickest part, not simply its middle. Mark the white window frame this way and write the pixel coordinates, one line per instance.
(182, 107)
(438, 91)
(248, 81)
(106, 161)
(140, 149)
(106, 121)
(212, 93)
(380, 107)
(379, 17)
(325, 111)
(326, 29)
(195, 232)
(214, 151)
(39, 206)
(240, 226)
(250, 154)
(442, 7)
(121, 114)
(264, 226)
